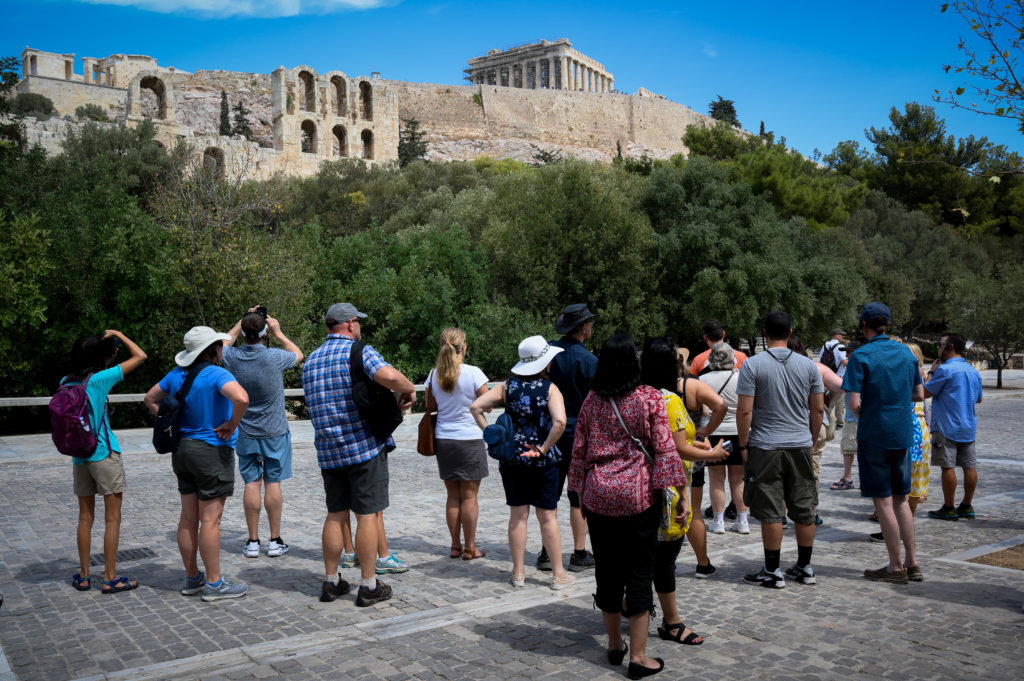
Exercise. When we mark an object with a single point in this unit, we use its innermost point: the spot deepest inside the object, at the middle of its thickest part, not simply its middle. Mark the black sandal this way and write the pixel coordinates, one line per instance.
(615, 657)
(81, 583)
(119, 585)
(689, 640)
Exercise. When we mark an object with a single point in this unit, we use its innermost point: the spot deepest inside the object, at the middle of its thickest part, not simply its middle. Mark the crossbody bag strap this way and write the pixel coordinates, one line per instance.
(636, 440)
(726, 382)
(189, 379)
(104, 418)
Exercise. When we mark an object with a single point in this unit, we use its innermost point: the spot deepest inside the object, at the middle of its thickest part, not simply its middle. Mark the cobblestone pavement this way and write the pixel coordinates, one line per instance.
(452, 619)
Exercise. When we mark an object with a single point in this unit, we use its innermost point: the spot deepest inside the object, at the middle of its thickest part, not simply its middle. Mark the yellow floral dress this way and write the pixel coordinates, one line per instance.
(920, 455)
(678, 419)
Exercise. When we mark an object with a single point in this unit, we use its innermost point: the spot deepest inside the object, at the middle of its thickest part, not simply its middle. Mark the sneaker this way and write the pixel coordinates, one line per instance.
(818, 520)
(227, 589)
(730, 511)
(741, 526)
(785, 521)
(557, 584)
(705, 571)
(390, 564)
(349, 560)
(367, 597)
(543, 562)
(252, 548)
(877, 537)
(944, 513)
(517, 580)
(580, 564)
(276, 548)
(963, 511)
(716, 527)
(329, 591)
(914, 573)
(771, 580)
(709, 512)
(884, 574)
(804, 575)
(193, 585)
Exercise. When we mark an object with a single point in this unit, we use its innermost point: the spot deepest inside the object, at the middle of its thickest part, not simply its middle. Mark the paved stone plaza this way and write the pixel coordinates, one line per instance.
(451, 619)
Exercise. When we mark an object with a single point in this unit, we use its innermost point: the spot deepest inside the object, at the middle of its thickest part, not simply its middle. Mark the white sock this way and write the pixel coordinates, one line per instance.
(334, 579)
(742, 516)
(369, 582)
(719, 517)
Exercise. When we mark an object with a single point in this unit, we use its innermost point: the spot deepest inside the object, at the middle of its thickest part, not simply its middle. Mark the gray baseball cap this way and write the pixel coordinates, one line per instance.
(339, 313)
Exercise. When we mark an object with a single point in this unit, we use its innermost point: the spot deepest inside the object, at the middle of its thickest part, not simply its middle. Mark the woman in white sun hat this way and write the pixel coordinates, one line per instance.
(531, 479)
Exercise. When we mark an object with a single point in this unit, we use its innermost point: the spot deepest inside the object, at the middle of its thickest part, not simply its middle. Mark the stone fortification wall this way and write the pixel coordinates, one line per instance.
(68, 95)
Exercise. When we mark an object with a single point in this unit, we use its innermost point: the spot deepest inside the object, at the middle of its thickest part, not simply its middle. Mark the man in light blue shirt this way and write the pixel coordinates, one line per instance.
(955, 387)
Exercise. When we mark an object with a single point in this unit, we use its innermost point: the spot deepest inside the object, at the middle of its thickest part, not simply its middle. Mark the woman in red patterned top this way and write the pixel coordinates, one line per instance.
(619, 487)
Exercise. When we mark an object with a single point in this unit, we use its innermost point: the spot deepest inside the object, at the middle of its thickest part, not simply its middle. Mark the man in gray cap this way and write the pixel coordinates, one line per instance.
(353, 461)
(572, 371)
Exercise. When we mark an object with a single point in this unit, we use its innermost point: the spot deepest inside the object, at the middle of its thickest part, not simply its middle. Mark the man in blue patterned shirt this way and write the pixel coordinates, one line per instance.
(353, 462)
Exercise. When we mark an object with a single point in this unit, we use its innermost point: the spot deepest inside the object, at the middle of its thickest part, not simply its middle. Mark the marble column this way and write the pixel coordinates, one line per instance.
(563, 68)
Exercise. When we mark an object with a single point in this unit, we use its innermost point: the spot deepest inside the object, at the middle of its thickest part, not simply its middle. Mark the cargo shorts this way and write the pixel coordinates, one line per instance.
(775, 476)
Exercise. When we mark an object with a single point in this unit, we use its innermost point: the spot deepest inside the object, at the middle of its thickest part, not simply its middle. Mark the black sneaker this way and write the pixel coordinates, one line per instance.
(771, 580)
(705, 571)
(709, 512)
(580, 564)
(945, 513)
(730, 511)
(804, 575)
(877, 537)
(329, 591)
(366, 597)
(543, 562)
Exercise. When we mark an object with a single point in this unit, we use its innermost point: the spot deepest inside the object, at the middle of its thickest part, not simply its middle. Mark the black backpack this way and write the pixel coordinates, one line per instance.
(376, 404)
(828, 357)
(166, 428)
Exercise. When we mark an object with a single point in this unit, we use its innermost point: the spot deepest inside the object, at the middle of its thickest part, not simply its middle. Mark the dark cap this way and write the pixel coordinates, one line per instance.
(340, 313)
(837, 332)
(873, 311)
(572, 316)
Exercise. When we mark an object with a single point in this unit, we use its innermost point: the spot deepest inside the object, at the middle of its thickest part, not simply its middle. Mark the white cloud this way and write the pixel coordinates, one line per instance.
(709, 50)
(245, 8)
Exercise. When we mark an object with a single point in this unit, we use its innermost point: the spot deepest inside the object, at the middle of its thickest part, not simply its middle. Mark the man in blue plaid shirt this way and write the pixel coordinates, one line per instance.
(353, 462)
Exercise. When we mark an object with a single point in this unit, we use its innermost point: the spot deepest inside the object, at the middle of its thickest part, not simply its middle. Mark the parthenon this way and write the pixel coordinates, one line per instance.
(544, 65)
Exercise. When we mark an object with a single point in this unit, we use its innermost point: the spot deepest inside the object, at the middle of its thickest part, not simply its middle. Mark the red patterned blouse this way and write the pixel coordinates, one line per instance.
(609, 471)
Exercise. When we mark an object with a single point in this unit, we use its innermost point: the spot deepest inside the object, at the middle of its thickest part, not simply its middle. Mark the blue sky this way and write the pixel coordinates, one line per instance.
(817, 73)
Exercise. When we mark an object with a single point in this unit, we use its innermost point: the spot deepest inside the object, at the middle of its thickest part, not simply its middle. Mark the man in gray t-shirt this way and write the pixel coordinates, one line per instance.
(264, 445)
(780, 403)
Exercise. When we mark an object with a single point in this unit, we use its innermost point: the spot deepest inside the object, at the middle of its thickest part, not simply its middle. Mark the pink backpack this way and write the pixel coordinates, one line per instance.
(70, 425)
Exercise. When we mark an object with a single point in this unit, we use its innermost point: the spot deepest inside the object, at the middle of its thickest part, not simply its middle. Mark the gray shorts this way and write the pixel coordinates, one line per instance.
(204, 470)
(949, 454)
(774, 476)
(105, 476)
(361, 488)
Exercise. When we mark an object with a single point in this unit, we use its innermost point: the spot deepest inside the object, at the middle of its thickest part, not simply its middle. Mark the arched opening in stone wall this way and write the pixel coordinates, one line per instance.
(308, 137)
(307, 91)
(213, 161)
(367, 137)
(340, 95)
(366, 100)
(152, 87)
(340, 141)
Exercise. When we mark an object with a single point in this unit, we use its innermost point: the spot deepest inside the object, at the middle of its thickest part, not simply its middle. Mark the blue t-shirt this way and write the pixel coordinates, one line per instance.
(572, 372)
(956, 388)
(258, 368)
(99, 387)
(205, 408)
(884, 372)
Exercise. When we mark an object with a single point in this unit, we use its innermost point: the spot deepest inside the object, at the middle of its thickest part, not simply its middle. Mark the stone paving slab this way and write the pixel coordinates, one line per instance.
(452, 619)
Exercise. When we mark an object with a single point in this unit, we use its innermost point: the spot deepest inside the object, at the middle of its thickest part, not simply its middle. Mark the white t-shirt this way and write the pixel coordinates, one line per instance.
(454, 422)
(728, 379)
(840, 356)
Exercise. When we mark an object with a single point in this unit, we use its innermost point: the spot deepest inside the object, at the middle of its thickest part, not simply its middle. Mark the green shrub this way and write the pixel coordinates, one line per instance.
(93, 112)
(35, 105)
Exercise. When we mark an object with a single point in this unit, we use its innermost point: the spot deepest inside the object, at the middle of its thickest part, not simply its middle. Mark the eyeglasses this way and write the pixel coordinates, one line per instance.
(354, 319)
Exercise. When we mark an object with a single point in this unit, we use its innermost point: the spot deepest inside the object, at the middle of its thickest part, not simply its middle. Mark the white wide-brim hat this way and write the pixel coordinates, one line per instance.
(534, 354)
(198, 339)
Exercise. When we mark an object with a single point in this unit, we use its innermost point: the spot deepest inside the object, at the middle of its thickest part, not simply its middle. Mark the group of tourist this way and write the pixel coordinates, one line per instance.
(629, 433)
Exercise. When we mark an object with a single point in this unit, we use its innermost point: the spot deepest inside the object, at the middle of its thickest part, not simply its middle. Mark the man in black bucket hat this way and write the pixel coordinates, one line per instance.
(572, 371)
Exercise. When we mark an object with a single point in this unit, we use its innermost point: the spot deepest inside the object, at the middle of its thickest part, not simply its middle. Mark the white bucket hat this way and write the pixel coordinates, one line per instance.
(534, 354)
(198, 339)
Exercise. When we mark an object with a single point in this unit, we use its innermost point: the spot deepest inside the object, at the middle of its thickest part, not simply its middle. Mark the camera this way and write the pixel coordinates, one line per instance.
(262, 311)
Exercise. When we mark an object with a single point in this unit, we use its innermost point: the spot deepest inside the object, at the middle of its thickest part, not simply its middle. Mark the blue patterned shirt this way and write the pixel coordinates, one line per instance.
(342, 438)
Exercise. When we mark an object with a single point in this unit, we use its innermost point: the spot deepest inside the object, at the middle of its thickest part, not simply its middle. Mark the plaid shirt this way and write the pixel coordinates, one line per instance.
(342, 438)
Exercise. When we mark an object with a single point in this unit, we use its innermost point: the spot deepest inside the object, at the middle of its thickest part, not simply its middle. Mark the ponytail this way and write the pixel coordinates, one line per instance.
(448, 361)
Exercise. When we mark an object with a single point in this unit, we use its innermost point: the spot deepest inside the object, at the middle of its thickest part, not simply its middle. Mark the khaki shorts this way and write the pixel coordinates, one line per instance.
(100, 477)
(849, 442)
(774, 476)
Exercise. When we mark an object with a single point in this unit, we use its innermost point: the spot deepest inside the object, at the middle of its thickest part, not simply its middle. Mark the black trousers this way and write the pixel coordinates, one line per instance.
(624, 549)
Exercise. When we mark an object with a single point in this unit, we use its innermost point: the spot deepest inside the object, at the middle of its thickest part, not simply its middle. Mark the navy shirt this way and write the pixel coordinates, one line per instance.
(572, 372)
(884, 372)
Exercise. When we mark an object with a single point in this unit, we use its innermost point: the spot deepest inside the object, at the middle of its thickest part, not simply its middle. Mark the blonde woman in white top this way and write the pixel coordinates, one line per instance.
(458, 445)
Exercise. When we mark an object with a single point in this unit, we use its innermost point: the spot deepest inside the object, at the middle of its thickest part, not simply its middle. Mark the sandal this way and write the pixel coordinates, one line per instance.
(474, 554)
(456, 552)
(842, 484)
(690, 639)
(81, 583)
(118, 585)
(873, 517)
